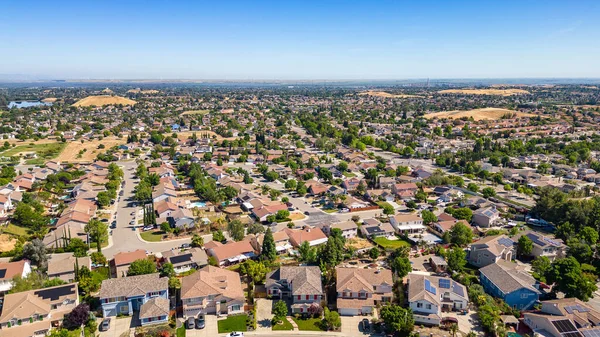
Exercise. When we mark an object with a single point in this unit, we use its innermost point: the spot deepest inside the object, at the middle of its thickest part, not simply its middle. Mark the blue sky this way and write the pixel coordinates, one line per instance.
(300, 39)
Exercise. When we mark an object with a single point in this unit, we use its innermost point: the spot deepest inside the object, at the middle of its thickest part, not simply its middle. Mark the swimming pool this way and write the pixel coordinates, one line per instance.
(198, 204)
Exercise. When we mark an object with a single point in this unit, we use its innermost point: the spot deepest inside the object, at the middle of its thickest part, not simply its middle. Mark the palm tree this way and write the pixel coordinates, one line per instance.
(453, 329)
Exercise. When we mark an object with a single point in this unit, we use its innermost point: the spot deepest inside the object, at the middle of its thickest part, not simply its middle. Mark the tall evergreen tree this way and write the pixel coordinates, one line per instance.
(269, 251)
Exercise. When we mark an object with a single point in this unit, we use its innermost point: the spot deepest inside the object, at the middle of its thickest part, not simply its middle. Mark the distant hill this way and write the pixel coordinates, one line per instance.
(480, 114)
(498, 92)
(104, 100)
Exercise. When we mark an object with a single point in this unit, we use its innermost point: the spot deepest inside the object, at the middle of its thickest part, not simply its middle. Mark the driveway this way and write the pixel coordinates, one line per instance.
(211, 329)
(351, 325)
(467, 323)
(118, 326)
(263, 314)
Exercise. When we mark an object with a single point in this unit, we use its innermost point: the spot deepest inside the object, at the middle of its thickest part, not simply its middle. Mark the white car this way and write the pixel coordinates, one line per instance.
(235, 334)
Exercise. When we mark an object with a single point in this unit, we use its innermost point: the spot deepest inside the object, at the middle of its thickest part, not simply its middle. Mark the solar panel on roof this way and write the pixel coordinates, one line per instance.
(457, 289)
(592, 332)
(429, 287)
(444, 283)
(181, 258)
(564, 325)
(55, 293)
(506, 242)
(2, 273)
(572, 334)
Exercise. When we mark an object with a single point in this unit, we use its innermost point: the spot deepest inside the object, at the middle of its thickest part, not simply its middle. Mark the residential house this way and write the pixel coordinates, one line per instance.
(314, 236)
(507, 281)
(486, 217)
(348, 228)
(491, 249)
(429, 296)
(231, 252)
(405, 191)
(564, 317)
(146, 294)
(544, 245)
(120, 263)
(62, 266)
(185, 260)
(405, 224)
(35, 312)
(8, 270)
(360, 290)
(281, 238)
(301, 284)
(181, 218)
(212, 290)
(438, 264)
(373, 228)
(351, 184)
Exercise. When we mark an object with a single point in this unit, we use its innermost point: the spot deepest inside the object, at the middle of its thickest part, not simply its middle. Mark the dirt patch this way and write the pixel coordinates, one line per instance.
(387, 94)
(195, 112)
(296, 216)
(50, 100)
(358, 243)
(497, 92)
(104, 100)
(7, 243)
(71, 152)
(480, 114)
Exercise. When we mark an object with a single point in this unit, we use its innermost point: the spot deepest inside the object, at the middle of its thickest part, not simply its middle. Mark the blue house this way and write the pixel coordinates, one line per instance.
(146, 294)
(516, 287)
(175, 127)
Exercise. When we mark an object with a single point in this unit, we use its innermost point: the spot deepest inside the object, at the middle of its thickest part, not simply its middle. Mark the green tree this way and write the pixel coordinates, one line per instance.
(524, 246)
(269, 251)
(388, 209)
(540, 266)
(291, 184)
(236, 230)
(397, 319)
(218, 236)
(589, 235)
(374, 253)
(256, 271)
(98, 259)
(457, 259)
(197, 241)
(428, 217)
(36, 252)
(141, 267)
(280, 310)
(98, 231)
(307, 253)
(331, 319)
(473, 187)
(567, 277)
(461, 234)
(167, 270)
(488, 192)
(401, 266)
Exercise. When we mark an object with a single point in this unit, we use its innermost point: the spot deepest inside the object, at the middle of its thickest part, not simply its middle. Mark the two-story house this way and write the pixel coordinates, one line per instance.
(544, 245)
(212, 290)
(301, 284)
(406, 224)
(119, 265)
(146, 294)
(360, 290)
(349, 228)
(490, 250)
(404, 191)
(486, 217)
(185, 260)
(36, 312)
(507, 281)
(8, 270)
(281, 238)
(429, 296)
(564, 317)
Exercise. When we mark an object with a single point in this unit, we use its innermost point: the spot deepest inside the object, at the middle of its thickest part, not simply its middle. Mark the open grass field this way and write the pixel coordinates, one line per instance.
(71, 152)
(195, 112)
(308, 324)
(45, 151)
(391, 244)
(7, 243)
(232, 323)
(152, 236)
(386, 94)
(103, 100)
(296, 216)
(492, 114)
(497, 92)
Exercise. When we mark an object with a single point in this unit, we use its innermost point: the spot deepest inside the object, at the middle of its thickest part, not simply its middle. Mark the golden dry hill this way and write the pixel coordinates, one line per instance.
(104, 100)
(480, 114)
(497, 92)
(386, 94)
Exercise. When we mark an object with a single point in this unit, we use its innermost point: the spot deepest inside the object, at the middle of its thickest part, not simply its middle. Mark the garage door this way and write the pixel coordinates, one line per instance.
(348, 312)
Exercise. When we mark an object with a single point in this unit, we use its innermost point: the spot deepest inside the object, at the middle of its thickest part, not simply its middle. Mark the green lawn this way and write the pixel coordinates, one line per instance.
(308, 324)
(382, 204)
(284, 326)
(232, 323)
(393, 244)
(349, 174)
(15, 230)
(152, 236)
(331, 210)
(43, 151)
(181, 331)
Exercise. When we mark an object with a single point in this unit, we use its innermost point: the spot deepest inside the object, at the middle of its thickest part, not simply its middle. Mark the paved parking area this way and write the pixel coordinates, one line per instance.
(421, 263)
(467, 323)
(211, 329)
(118, 326)
(350, 325)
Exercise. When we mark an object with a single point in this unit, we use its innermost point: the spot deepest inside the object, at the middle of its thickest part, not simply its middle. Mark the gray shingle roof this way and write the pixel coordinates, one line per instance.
(133, 285)
(508, 278)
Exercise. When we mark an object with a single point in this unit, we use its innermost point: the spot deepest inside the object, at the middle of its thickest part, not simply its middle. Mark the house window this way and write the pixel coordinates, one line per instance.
(301, 309)
(124, 308)
(524, 295)
(299, 297)
(153, 294)
(235, 308)
(315, 297)
(419, 305)
(428, 306)
(307, 297)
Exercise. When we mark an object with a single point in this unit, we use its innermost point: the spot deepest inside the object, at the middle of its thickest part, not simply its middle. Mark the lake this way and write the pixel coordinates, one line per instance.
(26, 104)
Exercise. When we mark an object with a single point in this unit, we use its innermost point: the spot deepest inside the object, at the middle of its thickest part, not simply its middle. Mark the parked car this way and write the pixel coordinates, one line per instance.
(235, 334)
(105, 325)
(366, 325)
(190, 323)
(200, 323)
(185, 246)
(148, 228)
